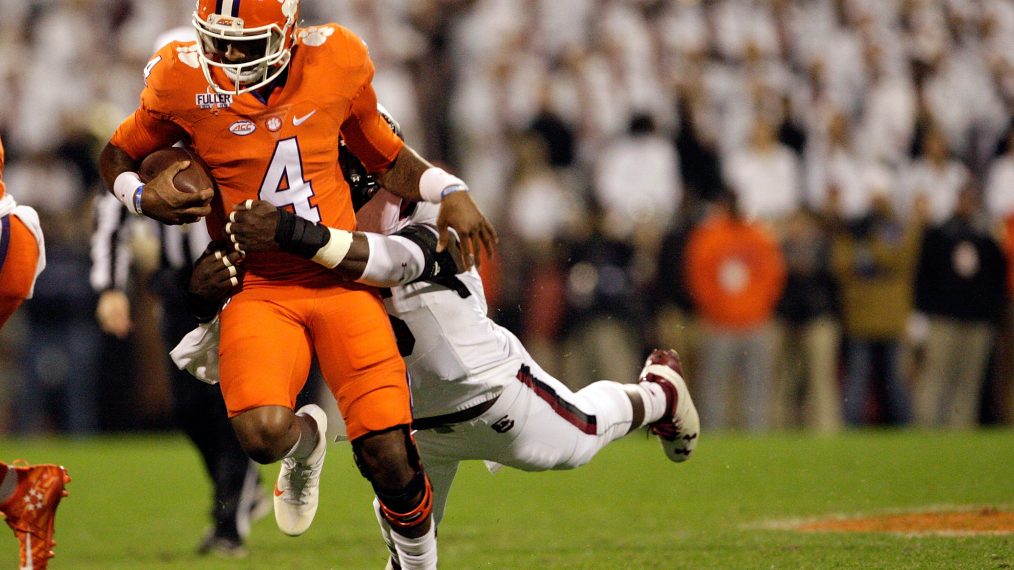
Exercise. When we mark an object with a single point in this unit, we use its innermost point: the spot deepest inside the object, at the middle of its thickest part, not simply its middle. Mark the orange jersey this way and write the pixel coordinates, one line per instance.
(284, 151)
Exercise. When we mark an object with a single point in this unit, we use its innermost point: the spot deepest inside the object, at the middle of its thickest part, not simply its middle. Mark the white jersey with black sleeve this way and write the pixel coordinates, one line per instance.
(456, 356)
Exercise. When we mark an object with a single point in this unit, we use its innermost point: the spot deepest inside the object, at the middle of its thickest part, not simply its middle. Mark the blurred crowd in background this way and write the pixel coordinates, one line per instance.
(813, 200)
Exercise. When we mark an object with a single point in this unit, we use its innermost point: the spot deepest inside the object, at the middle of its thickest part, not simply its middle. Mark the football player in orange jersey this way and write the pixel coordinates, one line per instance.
(29, 494)
(263, 104)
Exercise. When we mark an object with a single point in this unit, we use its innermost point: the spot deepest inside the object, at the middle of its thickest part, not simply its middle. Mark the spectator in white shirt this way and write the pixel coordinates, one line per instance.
(888, 118)
(764, 176)
(836, 166)
(937, 176)
(638, 182)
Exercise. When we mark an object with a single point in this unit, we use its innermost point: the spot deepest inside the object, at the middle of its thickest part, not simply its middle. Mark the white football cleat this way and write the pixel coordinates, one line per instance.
(297, 491)
(679, 426)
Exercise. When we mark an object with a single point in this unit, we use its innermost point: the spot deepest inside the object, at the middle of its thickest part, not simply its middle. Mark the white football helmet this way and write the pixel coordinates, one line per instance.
(250, 41)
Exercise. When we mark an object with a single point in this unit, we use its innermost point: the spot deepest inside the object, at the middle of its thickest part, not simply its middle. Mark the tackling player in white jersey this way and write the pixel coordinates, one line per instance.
(477, 393)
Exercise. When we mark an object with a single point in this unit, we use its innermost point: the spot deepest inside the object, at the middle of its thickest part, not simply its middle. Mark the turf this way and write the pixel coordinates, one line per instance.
(141, 502)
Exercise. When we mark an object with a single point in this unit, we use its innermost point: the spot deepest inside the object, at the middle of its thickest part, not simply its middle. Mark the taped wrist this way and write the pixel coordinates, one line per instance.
(316, 242)
(298, 236)
(127, 187)
(436, 183)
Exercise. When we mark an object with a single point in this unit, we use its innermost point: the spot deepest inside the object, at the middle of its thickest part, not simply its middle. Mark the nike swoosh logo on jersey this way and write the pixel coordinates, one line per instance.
(278, 492)
(300, 120)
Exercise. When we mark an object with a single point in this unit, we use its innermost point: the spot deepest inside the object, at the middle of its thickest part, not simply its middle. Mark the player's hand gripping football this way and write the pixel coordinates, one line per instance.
(459, 212)
(251, 226)
(162, 201)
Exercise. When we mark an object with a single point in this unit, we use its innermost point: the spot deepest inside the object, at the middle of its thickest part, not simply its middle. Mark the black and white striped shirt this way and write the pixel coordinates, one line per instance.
(180, 246)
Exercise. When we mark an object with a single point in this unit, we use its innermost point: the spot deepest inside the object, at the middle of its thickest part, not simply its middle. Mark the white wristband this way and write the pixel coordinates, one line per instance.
(335, 250)
(437, 183)
(125, 189)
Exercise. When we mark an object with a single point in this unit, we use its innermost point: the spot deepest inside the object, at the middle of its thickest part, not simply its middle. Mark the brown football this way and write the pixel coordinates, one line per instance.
(191, 179)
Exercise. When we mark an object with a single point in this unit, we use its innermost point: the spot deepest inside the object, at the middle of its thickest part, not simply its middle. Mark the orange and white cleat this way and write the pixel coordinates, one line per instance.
(31, 511)
(680, 426)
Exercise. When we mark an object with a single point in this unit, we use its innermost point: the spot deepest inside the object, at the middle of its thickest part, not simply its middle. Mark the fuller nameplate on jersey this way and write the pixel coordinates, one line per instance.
(213, 100)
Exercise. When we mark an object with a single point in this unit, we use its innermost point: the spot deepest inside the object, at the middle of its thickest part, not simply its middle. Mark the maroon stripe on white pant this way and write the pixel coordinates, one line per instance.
(566, 410)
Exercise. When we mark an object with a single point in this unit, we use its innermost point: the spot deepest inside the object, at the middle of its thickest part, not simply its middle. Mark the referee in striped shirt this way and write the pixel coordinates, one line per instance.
(198, 408)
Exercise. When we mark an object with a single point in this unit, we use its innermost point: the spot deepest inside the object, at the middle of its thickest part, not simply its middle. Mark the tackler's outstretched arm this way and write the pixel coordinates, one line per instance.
(374, 259)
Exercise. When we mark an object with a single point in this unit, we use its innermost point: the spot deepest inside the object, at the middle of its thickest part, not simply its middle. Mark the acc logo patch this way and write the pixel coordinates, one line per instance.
(242, 128)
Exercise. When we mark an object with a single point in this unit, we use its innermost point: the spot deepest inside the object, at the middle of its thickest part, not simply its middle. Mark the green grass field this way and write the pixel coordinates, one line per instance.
(140, 502)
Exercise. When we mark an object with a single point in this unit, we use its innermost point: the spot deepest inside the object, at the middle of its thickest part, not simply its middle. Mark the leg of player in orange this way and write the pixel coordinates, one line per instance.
(373, 396)
(265, 353)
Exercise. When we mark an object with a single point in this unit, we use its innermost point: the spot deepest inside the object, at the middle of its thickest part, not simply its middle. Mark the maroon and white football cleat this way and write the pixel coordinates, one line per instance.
(679, 426)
